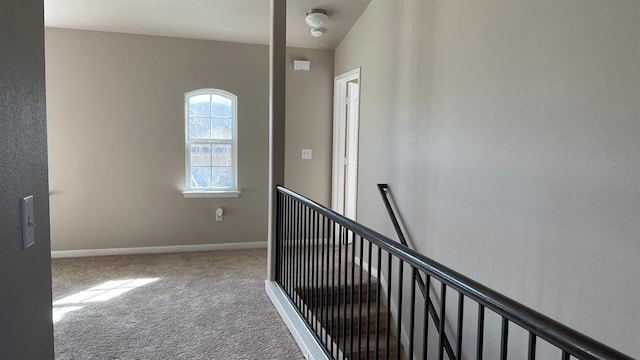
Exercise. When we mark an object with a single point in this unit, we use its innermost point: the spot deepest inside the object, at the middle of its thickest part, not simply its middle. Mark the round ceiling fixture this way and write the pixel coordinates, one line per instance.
(316, 18)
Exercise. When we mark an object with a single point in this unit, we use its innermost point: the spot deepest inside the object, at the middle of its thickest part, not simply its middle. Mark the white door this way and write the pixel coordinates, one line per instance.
(345, 143)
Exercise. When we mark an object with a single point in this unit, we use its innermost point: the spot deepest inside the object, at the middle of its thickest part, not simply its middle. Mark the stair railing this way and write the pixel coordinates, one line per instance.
(384, 191)
(332, 288)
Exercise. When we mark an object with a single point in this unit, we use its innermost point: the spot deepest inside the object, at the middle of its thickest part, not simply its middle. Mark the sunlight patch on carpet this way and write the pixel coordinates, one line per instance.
(99, 293)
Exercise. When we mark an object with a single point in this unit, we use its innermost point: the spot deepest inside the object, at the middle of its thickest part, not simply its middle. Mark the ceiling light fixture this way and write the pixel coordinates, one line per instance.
(316, 18)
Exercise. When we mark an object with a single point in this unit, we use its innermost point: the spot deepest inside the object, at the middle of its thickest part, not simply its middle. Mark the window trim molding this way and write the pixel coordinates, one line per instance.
(232, 191)
(193, 194)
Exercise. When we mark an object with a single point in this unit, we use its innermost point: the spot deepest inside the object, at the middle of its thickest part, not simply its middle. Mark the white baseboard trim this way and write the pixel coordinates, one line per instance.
(303, 337)
(157, 249)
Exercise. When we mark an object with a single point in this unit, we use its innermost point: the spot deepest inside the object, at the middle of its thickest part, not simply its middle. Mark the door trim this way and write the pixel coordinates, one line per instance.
(339, 97)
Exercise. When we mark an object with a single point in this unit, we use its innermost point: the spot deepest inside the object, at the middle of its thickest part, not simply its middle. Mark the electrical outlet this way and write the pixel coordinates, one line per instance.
(307, 154)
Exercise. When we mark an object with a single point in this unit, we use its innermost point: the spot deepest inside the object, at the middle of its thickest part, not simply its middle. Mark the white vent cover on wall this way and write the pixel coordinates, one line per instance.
(302, 65)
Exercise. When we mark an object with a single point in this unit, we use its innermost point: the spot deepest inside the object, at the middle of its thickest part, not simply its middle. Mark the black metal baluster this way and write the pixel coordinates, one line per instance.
(300, 289)
(460, 325)
(443, 309)
(309, 267)
(346, 272)
(285, 282)
(389, 258)
(303, 263)
(278, 241)
(504, 339)
(326, 295)
(378, 289)
(565, 355)
(532, 347)
(309, 239)
(360, 302)
(280, 230)
(425, 324)
(285, 243)
(314, 274)
(318, 274)
(399, 323)
(479, 350)
(302, 260)
(412, 320)
(338, 273)
(298, 235)
(303, 266)
(353, 289)
(283, 235)
(333, 282)
(291, 247)
(322, 288)
(369, 306)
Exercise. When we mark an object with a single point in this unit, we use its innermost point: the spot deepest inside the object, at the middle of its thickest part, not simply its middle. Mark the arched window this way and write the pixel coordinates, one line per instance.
(211, 124)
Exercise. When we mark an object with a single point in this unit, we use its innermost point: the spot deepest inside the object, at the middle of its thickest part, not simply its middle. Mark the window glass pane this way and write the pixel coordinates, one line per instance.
(200, 177)
(200, 105)
(221, 106)
(222, 128)
(210, 123)
(199, 127)
(200, 155)
(221, 155)
(221, 177)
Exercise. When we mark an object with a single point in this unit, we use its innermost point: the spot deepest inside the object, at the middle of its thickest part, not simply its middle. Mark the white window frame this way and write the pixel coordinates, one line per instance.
(232, 191)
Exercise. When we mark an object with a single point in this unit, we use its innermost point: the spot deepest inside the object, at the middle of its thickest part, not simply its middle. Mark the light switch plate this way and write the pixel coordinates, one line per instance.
(28, 222)
(307, 154)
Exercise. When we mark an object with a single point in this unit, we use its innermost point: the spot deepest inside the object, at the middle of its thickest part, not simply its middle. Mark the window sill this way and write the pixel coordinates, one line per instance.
(191, 194)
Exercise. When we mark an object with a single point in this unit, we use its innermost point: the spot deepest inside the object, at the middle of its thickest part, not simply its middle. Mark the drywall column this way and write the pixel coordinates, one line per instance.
(277, 94)
(26, 328)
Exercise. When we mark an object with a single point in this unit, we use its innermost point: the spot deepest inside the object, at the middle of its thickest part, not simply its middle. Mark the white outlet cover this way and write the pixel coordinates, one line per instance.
(307, 154)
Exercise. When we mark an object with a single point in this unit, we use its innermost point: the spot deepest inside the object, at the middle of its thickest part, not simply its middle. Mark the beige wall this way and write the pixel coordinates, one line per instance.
(509, 133)
(116, 139)
(309, 124)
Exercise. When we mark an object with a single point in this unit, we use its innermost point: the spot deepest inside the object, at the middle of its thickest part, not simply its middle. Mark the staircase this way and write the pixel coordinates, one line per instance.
(349, 311)
(343, 304)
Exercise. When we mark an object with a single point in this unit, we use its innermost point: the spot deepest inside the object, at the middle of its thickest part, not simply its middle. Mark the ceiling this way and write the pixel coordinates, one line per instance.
(244, 21)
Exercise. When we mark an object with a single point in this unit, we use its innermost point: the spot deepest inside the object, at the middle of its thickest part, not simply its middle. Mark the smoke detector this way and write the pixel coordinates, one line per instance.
(316, 18)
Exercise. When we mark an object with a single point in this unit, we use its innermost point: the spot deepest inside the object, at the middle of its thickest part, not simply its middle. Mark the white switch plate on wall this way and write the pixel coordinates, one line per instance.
(28, 222)
(307, 154)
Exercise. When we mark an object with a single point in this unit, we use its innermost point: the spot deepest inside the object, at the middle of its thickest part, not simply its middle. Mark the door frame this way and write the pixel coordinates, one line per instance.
(340, 92)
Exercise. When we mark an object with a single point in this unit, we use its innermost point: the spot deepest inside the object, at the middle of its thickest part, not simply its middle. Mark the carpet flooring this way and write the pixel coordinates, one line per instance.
(202, 305)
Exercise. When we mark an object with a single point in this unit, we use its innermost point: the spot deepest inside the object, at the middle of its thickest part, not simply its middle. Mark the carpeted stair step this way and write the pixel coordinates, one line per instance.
(340, 294)
(361, 322)
(368, 351)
